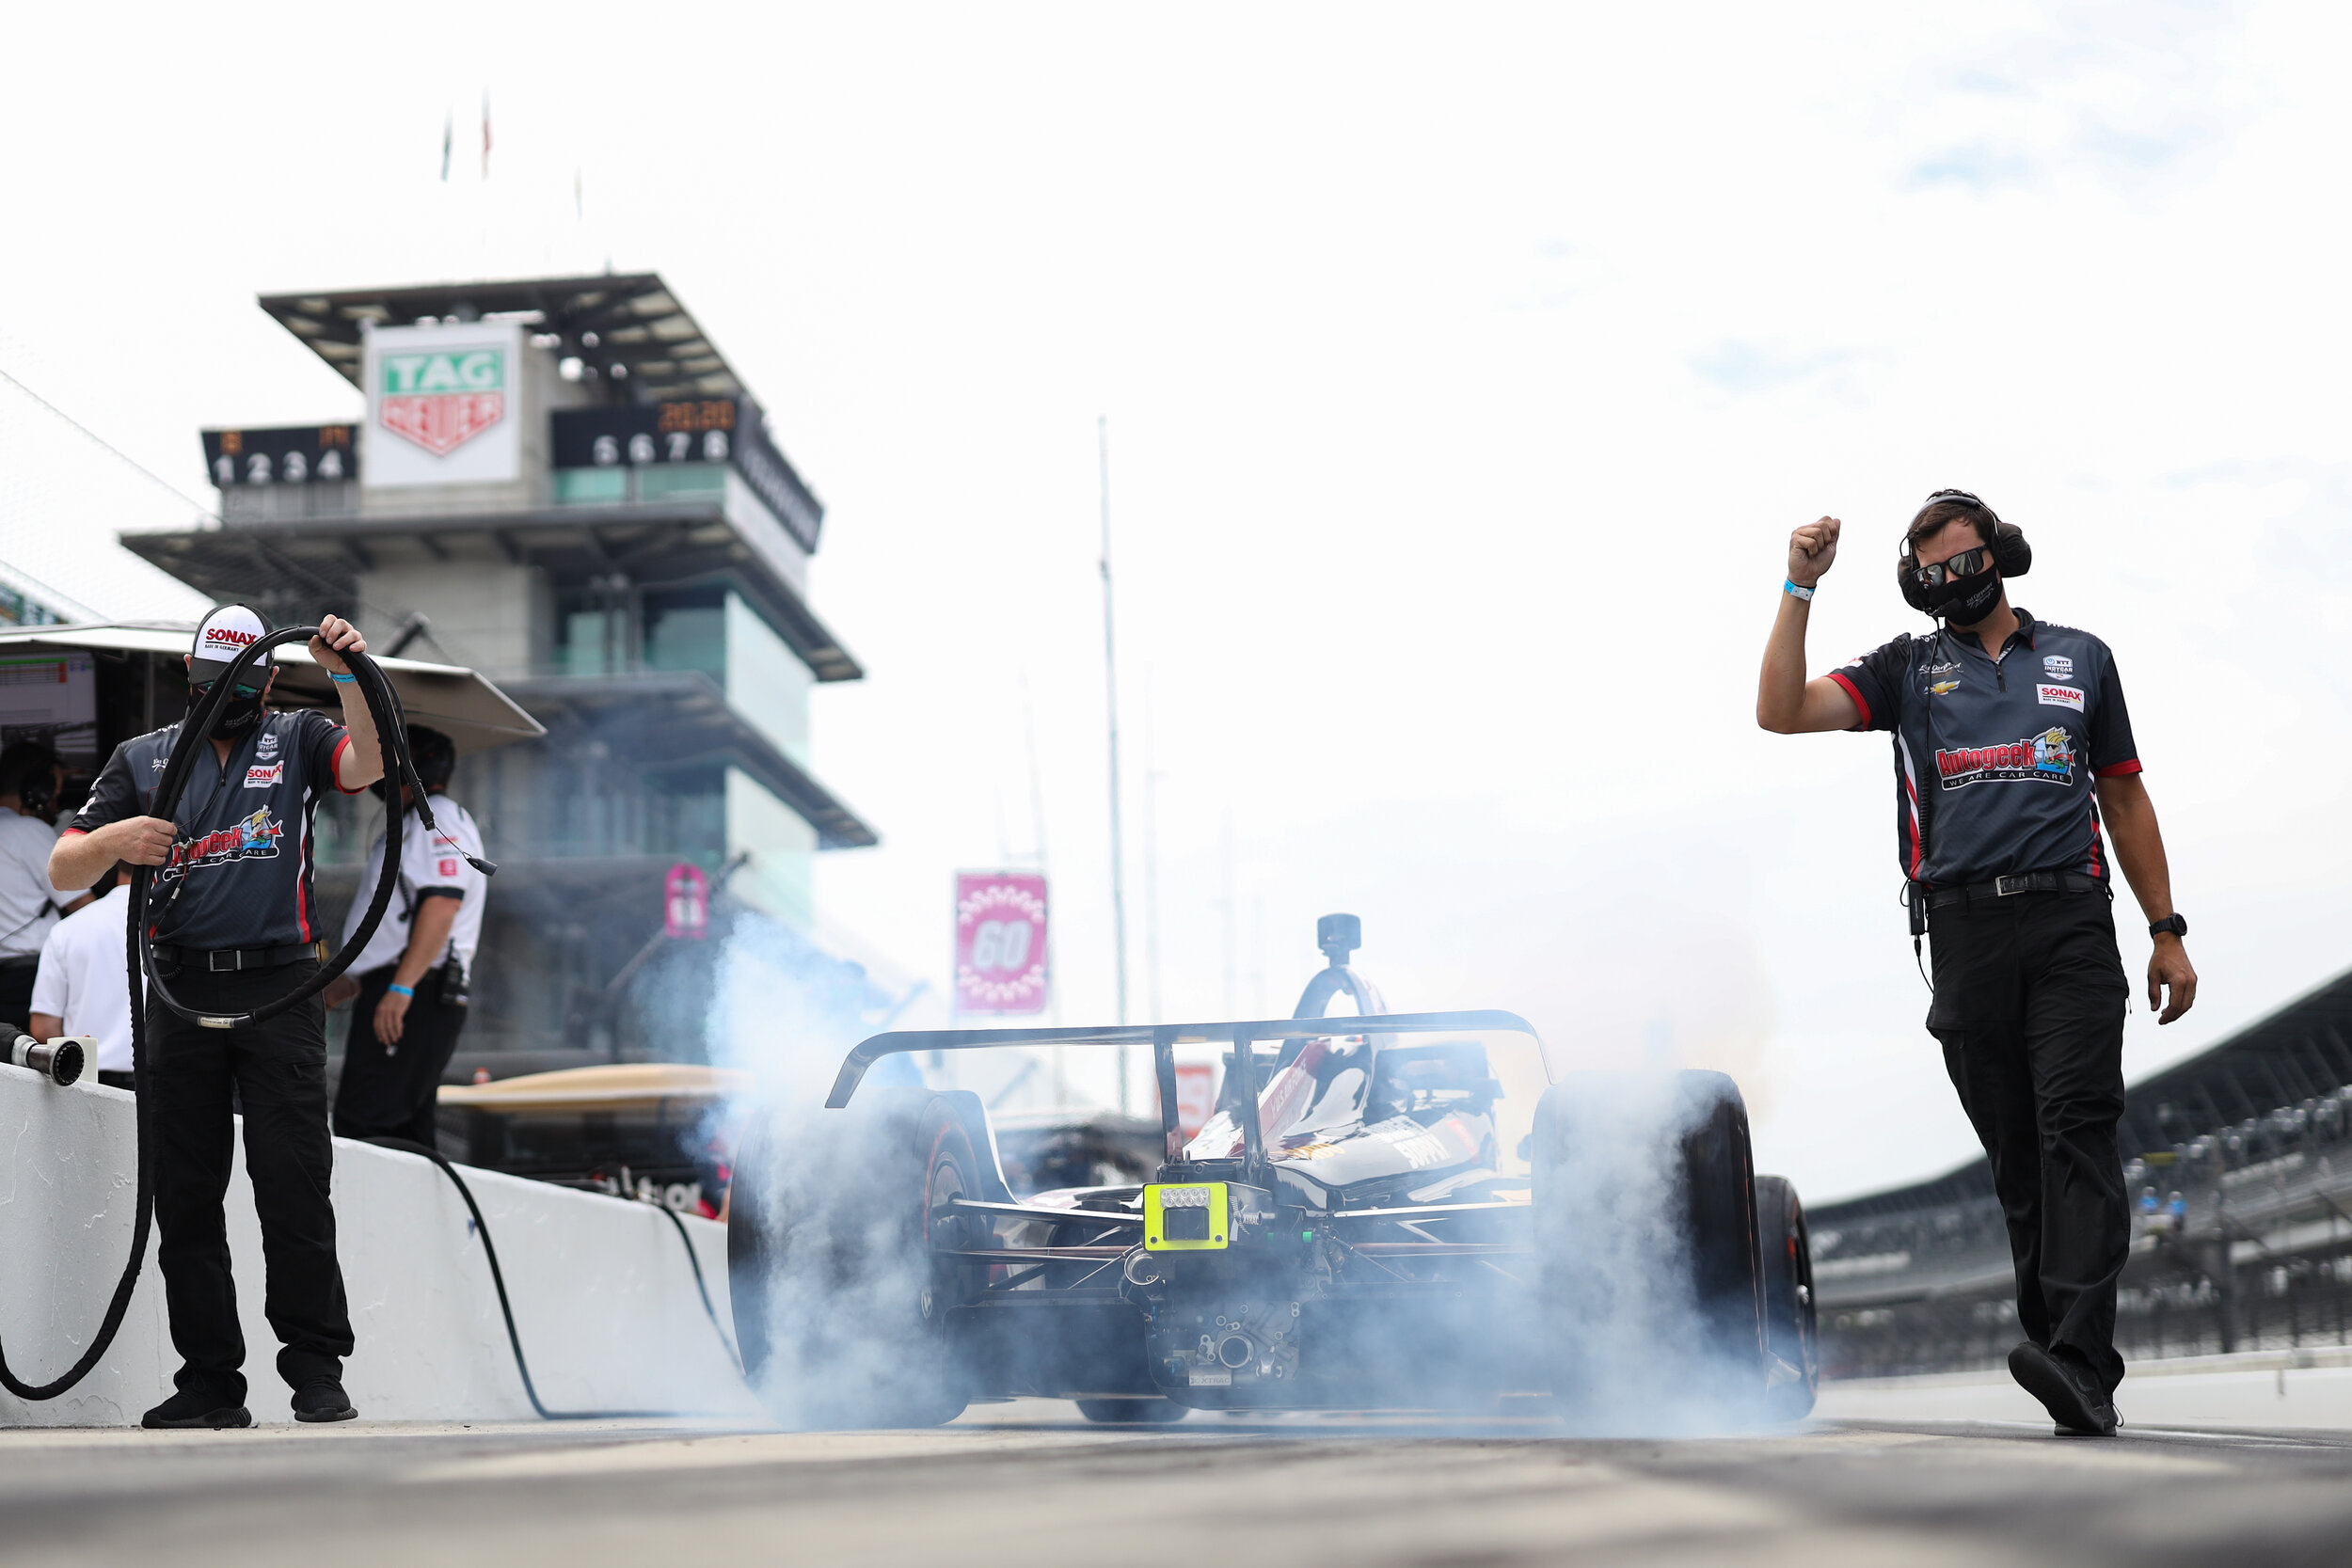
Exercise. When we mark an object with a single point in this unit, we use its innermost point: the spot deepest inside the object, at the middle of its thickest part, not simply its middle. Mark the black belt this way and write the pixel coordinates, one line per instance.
(225, 960)
(2025, 882)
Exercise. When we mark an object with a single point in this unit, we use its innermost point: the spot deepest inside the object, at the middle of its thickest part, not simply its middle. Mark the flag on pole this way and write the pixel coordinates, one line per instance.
(449, 128)
(486, 135)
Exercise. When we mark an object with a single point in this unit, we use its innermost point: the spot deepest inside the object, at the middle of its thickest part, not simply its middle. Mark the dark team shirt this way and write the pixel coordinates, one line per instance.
(1995, 758)
(239, 872)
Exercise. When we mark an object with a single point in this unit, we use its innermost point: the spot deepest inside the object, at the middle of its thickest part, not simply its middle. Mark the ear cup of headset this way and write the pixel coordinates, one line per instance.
(2010, 553)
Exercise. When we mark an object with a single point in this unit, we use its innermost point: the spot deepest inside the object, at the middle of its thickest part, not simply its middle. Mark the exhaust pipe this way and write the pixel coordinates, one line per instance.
(60, 1060)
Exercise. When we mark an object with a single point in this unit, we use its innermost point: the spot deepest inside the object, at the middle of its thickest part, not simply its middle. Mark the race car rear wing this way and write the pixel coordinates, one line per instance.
(1163, 1040)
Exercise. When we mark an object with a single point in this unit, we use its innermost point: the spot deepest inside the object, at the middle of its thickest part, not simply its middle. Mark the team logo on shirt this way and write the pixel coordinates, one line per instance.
(254, 838)
(2056, 666)
(2048, 756)
(1943, 689)
(2051, 695)
(265, 775)
(268, 748)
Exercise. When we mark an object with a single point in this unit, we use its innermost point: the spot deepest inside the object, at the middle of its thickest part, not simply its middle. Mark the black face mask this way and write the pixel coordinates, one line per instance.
(237, 715)
(1964, 601)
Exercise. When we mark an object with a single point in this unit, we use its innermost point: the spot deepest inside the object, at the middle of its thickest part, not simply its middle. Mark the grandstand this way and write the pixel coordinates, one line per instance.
(2239, 1161)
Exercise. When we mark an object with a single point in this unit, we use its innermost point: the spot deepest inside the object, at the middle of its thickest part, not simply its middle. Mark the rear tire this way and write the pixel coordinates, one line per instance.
(841, 1269)
(1133, 1412)
(1790, 1335)
(1649, 1288)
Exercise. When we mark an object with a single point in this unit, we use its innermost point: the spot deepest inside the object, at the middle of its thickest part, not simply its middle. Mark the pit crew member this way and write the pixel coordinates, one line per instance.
(234, 918)
(2012, 748)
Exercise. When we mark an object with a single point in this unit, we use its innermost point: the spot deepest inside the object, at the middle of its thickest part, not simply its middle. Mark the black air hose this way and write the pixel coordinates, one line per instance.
(195, 731)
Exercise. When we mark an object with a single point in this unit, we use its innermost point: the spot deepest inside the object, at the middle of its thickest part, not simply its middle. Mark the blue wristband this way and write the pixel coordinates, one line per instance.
(345, 680)
(1790, 587)
(408, 991)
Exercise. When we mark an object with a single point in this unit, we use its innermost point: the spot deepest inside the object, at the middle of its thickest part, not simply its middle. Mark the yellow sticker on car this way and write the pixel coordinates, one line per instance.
(1185, 1216)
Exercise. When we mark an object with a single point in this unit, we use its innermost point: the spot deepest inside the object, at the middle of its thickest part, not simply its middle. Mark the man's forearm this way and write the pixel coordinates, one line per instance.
(364, 764)
(78, 860)
(1780, 688)
(2131, 818)
(427, 940)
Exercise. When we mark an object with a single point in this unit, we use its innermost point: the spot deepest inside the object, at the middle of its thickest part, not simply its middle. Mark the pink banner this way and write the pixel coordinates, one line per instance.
(1000, 942)
(685, 902)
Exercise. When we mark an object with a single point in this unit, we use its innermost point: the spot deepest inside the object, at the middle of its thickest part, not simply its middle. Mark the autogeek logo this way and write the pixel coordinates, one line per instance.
(2048, 757)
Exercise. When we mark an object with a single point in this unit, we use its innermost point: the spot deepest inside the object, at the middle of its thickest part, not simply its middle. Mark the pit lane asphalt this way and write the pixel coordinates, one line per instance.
(1030, 1484)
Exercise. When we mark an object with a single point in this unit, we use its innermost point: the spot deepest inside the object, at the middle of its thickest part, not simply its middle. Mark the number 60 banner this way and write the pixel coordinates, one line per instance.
(1000, 942)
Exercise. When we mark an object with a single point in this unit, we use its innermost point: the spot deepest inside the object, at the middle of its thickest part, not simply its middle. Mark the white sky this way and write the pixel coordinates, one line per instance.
(1467, 367)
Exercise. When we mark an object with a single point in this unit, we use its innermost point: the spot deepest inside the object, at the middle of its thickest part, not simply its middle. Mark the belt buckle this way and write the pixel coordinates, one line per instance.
(236, 960)
(2002, 888)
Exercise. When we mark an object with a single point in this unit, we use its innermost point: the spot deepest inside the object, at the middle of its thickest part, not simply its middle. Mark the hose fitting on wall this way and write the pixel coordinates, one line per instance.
(60, 1060)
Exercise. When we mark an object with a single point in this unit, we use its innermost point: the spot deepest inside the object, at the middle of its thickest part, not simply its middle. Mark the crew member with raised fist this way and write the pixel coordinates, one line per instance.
(2014, 767)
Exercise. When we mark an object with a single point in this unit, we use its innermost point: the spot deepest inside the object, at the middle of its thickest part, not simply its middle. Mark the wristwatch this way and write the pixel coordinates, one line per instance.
(2175, 923)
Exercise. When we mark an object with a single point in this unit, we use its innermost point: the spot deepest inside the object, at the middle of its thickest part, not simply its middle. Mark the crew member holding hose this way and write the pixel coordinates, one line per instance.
(2011, 746)
(233, 918)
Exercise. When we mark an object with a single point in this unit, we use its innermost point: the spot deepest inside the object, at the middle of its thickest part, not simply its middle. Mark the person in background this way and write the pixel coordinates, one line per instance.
(30, 777)
(411, 979)
(83, 986)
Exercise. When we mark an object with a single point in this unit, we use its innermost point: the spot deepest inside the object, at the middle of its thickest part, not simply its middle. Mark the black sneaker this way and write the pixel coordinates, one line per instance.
(186, 1409)
(2075, 1401)
(322, 1398)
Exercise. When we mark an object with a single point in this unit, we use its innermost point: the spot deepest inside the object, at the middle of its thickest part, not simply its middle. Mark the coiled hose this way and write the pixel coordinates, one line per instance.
(391, 732)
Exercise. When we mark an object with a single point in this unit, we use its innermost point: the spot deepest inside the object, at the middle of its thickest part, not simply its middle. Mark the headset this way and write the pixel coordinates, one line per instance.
(2012, 556)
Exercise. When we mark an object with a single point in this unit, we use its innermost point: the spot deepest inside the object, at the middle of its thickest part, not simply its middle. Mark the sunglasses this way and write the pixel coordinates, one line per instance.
(1967, 564)
(204, 688)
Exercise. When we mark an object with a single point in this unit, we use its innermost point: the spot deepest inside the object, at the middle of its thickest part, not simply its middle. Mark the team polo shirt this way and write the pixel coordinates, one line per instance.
(239, 872)
(1995, 758)
(433, 864)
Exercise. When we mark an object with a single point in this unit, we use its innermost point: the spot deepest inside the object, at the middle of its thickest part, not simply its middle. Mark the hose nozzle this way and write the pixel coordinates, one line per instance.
(60, 1060)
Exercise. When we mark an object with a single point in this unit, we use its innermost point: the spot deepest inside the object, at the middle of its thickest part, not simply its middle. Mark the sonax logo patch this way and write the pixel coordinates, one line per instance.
(2060, 696)
(265, 775)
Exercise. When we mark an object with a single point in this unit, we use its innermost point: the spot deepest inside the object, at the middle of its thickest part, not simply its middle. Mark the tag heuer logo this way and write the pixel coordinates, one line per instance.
(442, 401)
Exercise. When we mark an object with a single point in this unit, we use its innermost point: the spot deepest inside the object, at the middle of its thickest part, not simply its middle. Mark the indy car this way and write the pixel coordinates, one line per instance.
(1387, 1210)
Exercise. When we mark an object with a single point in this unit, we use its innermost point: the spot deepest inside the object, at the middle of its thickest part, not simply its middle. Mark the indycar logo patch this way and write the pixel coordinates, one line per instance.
(268, 748)
(253, 838)
(2056, 666)
(2048, 757)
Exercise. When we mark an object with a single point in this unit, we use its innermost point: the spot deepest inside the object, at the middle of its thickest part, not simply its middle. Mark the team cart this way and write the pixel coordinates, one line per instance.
(1385, 1211)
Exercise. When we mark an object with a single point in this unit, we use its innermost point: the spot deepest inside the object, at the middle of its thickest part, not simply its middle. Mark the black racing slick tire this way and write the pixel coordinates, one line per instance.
(842, 1263)
(1133, 1412)
(1791, 1339)
(1648, 1285)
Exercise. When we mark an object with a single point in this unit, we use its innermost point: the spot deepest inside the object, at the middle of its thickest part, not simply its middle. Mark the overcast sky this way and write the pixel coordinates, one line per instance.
(1466, 369)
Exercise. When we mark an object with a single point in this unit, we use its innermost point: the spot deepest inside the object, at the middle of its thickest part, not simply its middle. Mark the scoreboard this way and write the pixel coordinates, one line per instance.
(289, 454)
(696, 430)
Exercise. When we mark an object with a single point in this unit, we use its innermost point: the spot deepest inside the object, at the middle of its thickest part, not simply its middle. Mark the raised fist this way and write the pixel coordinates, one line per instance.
(1811, 549)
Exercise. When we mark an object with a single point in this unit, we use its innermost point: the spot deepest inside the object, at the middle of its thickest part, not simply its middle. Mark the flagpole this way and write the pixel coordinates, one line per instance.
(1110, 685)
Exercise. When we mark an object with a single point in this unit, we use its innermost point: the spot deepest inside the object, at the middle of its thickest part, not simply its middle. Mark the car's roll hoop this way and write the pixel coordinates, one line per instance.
(1163, 1040)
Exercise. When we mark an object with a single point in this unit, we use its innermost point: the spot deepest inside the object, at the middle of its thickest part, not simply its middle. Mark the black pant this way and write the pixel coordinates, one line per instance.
(2029, 998)
(16, 990)
(278, 1071)
(388, 1091)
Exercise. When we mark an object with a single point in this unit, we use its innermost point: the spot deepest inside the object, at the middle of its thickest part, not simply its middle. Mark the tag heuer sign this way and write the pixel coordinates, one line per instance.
(441, 399)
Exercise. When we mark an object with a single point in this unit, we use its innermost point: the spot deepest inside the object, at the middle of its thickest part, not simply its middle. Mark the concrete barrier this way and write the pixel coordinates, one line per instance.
(603, 1296)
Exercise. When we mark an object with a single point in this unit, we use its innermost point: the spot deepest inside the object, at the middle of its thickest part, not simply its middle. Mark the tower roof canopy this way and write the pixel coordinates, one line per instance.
(627, 327)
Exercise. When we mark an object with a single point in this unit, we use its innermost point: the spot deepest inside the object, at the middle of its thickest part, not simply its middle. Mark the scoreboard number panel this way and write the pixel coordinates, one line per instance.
(290, 455)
